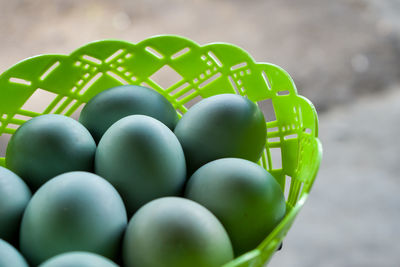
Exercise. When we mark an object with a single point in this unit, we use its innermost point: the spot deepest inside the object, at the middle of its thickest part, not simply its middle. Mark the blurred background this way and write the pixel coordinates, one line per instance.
(343, 55)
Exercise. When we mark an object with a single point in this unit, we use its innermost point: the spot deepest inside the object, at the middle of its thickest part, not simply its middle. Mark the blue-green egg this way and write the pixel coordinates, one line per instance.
(175, 232)
(143, 159)
(245, 198)
(113, 104)
(75, 211)
(78, 259)
(14, 196)
(221, 126)
(49, 145)
(10, 257)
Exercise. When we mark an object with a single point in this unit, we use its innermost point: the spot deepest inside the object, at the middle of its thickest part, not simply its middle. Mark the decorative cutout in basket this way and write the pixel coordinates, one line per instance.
(200, 71)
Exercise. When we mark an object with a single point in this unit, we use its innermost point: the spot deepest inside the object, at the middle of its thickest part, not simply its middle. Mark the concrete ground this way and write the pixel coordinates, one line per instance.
(344, 55)
(352, 215)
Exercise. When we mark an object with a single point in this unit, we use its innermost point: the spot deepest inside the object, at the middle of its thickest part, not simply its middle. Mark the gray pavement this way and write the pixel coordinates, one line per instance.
(352, 215)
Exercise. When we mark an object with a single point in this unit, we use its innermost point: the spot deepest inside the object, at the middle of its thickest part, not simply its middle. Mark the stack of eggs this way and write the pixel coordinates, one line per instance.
(190, 187)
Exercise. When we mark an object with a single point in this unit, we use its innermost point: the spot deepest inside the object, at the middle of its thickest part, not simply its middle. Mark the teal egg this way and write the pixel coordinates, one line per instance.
(175, 232)
(14, 196)
(10, 257)
(75, 211)
(111, 105)
(143, 159)
(221, 126)
(244, 197)
(47, 146)
(78, 259)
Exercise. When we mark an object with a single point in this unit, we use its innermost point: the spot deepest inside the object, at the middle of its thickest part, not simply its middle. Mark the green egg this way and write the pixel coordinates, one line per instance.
(14, 196)
(75, 211)
(175, 232)
(47, 146)
(111, 105)
(9, 256)
(78, 259)
(244, 197)
(221, 126)
(143, 159)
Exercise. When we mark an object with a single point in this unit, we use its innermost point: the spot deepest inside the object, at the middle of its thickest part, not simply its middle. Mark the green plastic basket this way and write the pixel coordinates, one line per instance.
(69, 81)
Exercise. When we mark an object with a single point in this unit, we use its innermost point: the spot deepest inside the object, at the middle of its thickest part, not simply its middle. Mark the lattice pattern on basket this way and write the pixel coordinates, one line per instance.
(184, 72)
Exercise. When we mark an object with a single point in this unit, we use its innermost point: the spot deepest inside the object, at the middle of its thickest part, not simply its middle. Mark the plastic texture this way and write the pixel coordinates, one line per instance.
(69, 81)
